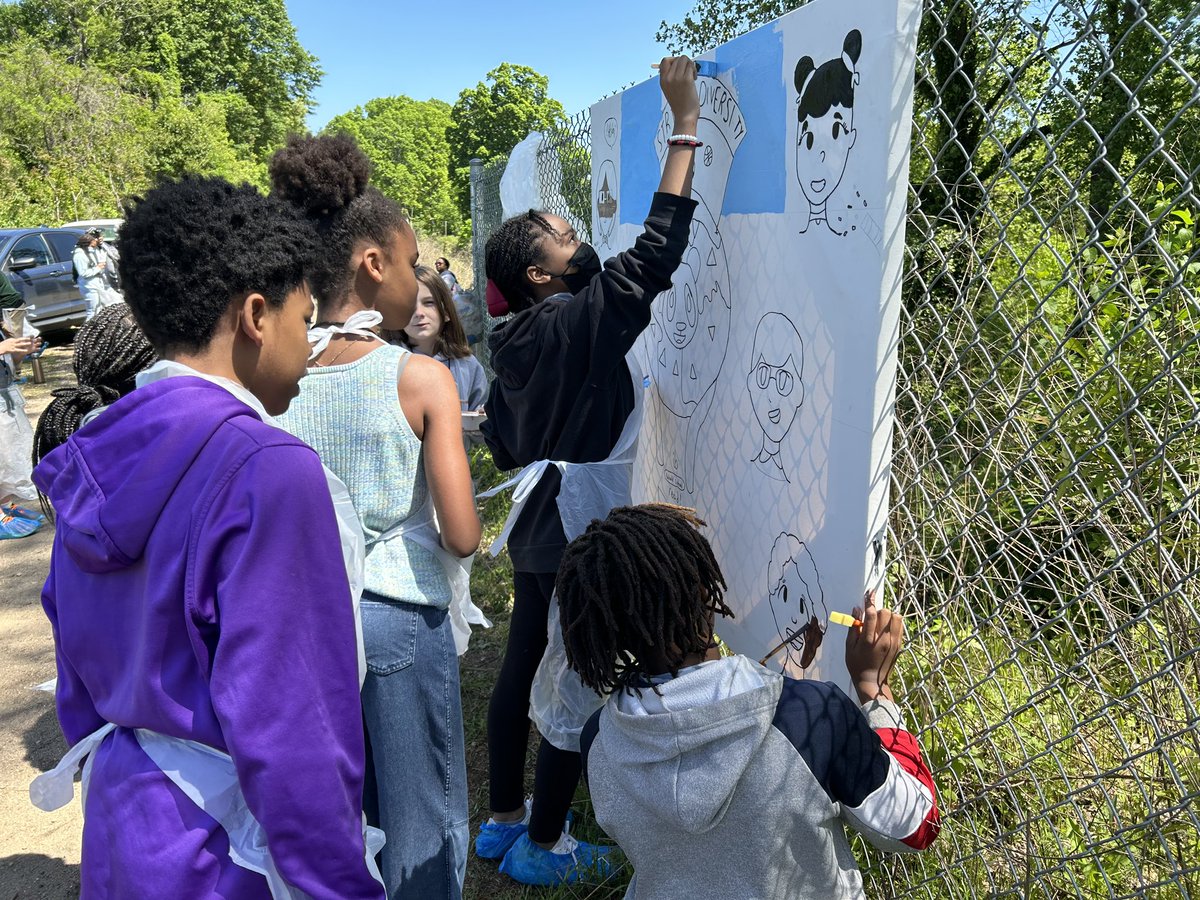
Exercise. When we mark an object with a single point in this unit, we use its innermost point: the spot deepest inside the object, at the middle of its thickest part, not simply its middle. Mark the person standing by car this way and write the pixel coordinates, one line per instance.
(112, 268)
(91, 265)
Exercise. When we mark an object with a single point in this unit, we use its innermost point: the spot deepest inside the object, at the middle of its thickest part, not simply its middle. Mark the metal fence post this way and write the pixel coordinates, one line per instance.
(478, 241)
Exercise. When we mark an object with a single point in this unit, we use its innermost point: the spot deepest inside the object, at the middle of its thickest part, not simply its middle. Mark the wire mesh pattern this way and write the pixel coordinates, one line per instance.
(1044, 533)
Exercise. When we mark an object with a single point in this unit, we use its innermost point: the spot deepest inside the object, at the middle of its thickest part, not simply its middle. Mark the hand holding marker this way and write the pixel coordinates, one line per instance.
(841, 618)
(838, 618)
(705, 68)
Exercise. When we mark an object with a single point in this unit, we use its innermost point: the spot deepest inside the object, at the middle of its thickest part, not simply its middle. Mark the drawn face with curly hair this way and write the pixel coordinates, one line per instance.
(797, 600)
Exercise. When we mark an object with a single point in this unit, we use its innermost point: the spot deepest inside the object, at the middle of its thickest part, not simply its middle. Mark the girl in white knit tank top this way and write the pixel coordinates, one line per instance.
(366, 402)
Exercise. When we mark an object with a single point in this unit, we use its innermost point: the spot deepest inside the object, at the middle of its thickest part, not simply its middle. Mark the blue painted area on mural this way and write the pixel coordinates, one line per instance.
(758, 179)
(753, 65)
(641, 111)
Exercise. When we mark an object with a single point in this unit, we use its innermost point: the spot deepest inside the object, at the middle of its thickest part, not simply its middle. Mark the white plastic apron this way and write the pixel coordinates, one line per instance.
(208, 778)
(422, 529)
(206, 775)
(559, 703)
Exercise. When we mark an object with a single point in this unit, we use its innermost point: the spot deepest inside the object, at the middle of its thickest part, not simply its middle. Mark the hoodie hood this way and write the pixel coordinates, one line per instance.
(717, 710)
(111, 481)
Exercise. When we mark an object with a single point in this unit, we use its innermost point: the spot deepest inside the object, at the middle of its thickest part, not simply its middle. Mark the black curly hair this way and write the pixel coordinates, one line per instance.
(638, 586)
(189, 247)
(327, 178)
(110, 349)
(513, 248)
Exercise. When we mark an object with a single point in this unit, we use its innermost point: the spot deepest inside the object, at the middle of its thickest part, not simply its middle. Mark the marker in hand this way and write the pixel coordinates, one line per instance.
(705, 68)
(842, 618)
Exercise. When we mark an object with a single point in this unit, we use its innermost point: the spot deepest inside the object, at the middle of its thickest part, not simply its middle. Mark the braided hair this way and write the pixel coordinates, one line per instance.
(326, 178)
(638, 586)
(110, 349)
(513, 248)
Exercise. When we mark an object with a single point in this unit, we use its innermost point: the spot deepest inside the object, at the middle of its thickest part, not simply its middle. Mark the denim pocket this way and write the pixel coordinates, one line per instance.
(389, 636)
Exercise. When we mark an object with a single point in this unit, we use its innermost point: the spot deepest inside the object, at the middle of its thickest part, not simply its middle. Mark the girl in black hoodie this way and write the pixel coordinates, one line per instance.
(563, 392)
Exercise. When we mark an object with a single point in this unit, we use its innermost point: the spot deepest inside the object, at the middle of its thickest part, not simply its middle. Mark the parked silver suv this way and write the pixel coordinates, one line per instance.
(38, 263)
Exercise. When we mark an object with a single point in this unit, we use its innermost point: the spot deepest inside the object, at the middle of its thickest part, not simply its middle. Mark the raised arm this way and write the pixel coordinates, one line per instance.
(677, 78)
(901, 811)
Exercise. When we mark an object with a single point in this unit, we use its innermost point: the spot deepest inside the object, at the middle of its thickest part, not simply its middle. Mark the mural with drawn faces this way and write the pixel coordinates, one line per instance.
(776, 388)
(689, 336)
(797, 600)
(825, 132)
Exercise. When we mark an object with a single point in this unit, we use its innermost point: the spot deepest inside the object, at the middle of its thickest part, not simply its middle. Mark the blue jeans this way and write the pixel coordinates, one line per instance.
(416, 785)
(91, 297)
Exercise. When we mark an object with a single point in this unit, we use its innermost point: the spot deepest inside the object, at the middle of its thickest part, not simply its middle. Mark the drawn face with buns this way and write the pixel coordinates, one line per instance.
(825, 131)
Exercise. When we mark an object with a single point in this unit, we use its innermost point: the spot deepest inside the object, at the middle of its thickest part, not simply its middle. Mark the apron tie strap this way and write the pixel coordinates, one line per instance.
(360, 323)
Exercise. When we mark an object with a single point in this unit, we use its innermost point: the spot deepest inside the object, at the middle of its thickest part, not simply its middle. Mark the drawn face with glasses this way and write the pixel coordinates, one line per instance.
(776, 391)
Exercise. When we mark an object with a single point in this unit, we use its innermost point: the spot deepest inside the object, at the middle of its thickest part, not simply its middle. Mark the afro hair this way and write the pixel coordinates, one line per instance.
(190, 247)
(326, 178)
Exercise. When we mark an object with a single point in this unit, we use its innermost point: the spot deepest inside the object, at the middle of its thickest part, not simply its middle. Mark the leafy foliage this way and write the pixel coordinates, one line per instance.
(406, 142)
(244, 53)
(494, 116)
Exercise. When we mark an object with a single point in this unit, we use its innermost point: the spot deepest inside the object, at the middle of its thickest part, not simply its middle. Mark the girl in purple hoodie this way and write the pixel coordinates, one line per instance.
(203, 620)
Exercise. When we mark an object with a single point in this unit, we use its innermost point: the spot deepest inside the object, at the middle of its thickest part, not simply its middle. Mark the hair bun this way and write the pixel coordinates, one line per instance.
(321, 175)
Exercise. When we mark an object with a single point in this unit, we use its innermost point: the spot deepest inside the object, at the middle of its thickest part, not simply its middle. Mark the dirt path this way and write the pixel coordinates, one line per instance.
(39, 852)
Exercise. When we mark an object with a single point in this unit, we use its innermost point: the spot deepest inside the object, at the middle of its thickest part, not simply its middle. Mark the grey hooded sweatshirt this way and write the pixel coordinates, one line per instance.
(735, 782)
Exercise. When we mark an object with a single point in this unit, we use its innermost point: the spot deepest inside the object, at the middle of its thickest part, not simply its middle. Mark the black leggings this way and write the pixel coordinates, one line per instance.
(557, 773)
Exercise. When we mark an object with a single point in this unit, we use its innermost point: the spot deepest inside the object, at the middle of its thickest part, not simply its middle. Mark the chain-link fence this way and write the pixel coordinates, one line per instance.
(1044, 525)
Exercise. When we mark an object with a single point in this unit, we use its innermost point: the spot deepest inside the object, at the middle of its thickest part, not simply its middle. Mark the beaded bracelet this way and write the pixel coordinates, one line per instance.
(684, 140)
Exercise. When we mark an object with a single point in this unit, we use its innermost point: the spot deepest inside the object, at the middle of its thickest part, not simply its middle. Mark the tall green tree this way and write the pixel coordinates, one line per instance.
(241, 54)
(75, 144)
(406, 142)
(491, 118)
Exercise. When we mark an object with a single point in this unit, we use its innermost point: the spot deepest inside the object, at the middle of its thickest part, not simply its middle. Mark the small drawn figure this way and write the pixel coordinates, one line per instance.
(606, 202)
(825, 126)
(797, 600)
(776, 387)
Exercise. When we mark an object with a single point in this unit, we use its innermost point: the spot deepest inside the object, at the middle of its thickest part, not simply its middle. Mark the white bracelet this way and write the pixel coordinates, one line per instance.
(684, 137)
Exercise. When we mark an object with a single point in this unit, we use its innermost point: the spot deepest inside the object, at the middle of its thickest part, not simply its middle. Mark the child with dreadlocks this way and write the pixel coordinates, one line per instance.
(564, 392)
(695, 754)
(203, 619)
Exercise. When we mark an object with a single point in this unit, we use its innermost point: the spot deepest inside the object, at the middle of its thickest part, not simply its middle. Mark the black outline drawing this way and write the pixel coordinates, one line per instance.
(689, 334)
(775, 382)
(792, 578)
(606, 202)
(825, 124)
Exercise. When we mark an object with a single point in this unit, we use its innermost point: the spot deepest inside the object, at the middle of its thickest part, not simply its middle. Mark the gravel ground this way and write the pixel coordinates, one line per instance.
(39, 851)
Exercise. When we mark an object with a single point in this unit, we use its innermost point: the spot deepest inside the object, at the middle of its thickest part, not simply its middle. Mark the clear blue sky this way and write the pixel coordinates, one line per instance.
(373, 48)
